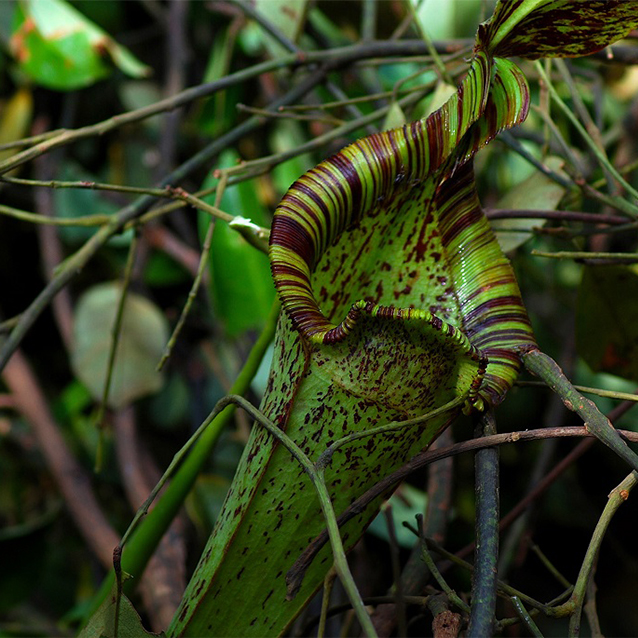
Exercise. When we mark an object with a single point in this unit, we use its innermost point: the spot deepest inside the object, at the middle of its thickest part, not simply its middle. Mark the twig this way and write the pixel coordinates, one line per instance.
(590, 610)
(52, 254)
(192, 294)
(553, 474)
(560, 215)
(368, 20)
(116, 330)
(576, 254)
(415, 574)
(423, 459)
(523, 614)
(396, 569)
(431, 565)
(164, 579)
(368, 600)
(543, 366)
(69, 474)
(616, 498)
(328, 582)
(76, 262)
(148, 529)
(599, 154)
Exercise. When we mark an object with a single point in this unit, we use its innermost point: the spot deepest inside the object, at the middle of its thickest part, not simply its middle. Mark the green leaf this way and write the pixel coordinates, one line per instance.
(374, 253)
(607, 319)
(395, 117)
(114, 620)
(556, 28)
(144, 333)
(59, 48)
(406, 503)
(287, 16)
(241, 286)
(537, 192)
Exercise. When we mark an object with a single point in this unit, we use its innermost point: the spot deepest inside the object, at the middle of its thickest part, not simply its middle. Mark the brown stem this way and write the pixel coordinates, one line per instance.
(162, 239)
(164, 579)
(415, 574)
(72, 479)
(295, 575)
(51, 248)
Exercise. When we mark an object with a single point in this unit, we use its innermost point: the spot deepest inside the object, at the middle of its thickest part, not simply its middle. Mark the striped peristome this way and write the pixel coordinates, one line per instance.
(398, 301)
(370, 176)
(333, 195)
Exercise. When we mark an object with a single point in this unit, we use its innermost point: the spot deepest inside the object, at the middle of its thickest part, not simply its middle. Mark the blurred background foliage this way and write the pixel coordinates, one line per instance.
(67, 65)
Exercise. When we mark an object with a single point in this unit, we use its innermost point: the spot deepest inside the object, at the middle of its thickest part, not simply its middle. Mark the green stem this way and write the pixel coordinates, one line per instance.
(339, 554)
(23, 215)
(77, 261)
(611, 394)
(502, 587)
(574, 254)
(524, 615)
(616, 498)
(450, 406)
(116, 330)
(600, 155)
(328, 583)
(434, 570)
(546, 368)
(149, 530)
(317, 478)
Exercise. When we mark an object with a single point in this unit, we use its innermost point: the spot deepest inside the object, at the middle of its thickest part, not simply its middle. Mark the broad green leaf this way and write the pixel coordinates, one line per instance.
(397, 299)
(537, 192)
(287, 16)
(607, 319)
(556, 28)
(59, 48)
(144, 333)
(241, 287)
(113, 620)
(374, 253)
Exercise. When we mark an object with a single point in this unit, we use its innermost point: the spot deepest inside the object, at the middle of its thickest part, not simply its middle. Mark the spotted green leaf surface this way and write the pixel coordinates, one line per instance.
(374, 254)
(556, 28)
(59, 48)
(607, 319)
(397, 298)
(144, 332)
